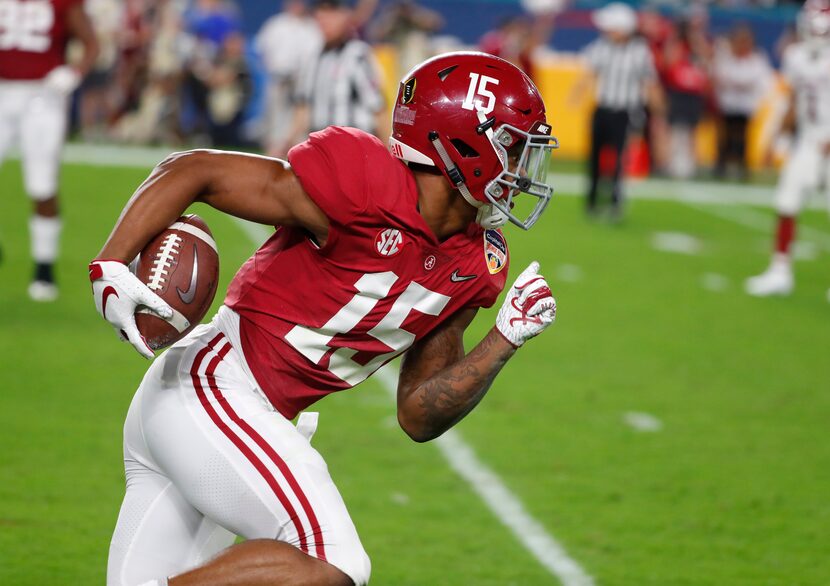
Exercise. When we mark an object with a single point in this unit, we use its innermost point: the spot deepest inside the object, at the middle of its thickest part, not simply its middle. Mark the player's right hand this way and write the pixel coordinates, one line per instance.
(528, 309)
(63, 80)
(117, 294)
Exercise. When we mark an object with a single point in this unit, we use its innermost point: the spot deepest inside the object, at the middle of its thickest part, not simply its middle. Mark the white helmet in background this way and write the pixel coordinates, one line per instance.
(814, 22)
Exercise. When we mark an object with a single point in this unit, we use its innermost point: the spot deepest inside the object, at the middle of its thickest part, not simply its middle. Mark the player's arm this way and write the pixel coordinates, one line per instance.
(65, 79)
(259, 189)
(81, 28)
(439, 384)
(254, 188)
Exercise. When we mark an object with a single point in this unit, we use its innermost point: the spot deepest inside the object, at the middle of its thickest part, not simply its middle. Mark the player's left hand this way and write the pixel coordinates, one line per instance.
(528, 309)
(63, 80)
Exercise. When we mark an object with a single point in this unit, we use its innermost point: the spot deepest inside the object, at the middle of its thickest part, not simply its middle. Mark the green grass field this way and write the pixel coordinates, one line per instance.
(734, 489)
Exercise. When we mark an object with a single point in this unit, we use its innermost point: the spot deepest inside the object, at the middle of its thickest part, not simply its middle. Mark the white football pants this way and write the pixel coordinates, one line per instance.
(34, 117)
(208, 458)
(806, 170)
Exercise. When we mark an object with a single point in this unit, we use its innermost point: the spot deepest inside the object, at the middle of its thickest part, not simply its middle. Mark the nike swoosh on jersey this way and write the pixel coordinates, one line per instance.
(109, 290)
(187, 296)
(456, 278)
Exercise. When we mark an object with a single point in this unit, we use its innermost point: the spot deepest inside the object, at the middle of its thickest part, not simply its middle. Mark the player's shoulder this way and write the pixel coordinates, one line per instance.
(358, 154)
(353, 137)
(348, 172)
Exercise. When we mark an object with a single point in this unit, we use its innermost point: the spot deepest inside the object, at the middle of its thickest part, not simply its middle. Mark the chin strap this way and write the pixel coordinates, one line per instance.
(489, 216)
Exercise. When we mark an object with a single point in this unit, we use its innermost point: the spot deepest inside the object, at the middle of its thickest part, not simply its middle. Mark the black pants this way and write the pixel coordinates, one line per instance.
(608, 129)
(732, 148)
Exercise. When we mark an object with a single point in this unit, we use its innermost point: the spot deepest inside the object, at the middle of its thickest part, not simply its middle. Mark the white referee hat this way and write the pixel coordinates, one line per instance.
(616, 17)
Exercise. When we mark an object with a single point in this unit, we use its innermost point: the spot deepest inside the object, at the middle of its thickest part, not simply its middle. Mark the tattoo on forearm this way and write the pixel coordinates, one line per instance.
(452, 393)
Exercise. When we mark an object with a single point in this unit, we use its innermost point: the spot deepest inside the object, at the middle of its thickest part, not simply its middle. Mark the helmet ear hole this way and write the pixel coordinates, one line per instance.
(444, 73)
(465, 150)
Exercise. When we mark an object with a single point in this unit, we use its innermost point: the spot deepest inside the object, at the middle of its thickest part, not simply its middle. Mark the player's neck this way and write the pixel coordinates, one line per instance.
(442, 207)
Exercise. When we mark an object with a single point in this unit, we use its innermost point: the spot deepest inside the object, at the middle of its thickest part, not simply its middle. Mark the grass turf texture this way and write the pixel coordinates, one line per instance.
(733, 490)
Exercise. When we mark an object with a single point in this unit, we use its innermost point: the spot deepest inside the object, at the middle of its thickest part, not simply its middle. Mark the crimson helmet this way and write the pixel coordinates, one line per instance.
(481, 121)
(814, 21)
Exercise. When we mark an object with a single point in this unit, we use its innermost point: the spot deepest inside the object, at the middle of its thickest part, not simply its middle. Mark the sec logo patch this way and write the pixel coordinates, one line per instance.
(389, 242)
(495, 251)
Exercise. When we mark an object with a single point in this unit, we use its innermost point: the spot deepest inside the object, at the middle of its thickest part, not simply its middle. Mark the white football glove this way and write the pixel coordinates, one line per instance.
(117, 294)
(528, 309)
(62, 80)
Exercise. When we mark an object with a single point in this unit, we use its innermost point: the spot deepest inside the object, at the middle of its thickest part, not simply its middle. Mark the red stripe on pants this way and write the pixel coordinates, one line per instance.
(316, 531)
(235, 439)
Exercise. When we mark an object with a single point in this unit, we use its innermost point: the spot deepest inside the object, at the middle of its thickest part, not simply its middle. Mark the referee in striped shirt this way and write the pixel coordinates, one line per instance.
(621, 69)
(343, 85)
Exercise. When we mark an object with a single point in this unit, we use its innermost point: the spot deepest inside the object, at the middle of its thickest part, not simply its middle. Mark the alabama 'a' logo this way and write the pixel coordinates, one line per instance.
(389, 242)
(495, 251)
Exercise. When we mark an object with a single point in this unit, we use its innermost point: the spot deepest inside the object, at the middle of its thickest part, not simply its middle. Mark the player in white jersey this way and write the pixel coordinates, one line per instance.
(806, 70)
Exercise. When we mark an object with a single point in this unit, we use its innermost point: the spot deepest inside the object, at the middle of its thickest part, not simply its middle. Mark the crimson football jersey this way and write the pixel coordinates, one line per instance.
(33, 37)
(318, 320)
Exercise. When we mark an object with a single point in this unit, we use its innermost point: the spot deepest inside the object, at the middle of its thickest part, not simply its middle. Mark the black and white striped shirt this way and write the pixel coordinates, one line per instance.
(343, 88)
(621, 71)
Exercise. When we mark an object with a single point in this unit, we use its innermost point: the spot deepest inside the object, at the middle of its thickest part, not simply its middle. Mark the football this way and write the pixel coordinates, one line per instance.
(181, 265)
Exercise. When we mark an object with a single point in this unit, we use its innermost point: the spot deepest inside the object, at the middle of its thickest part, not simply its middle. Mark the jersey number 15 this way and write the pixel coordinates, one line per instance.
(313, 343)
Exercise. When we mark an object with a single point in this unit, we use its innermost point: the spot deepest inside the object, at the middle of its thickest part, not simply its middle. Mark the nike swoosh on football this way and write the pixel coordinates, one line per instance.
(456, 278)
(109, 290)
(187, 296)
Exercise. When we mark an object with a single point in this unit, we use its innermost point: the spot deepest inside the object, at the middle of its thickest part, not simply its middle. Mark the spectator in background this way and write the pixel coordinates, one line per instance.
(343, 87)
(656, 29)
(517, 38)
(209, 23)
(622, 71)
(742, 76)
(229, 87)
(288, 43)
(95, 104)
(407, 26)
(510, 42)
(686, 80)
(156, 116)
(136, 32)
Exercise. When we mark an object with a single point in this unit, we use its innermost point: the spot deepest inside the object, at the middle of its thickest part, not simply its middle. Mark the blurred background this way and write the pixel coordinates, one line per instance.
(670, 429)
(215, 71)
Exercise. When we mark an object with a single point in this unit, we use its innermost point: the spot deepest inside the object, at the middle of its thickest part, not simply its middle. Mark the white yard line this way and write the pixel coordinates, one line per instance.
(503, 503)
(676, 242)
(642, 422)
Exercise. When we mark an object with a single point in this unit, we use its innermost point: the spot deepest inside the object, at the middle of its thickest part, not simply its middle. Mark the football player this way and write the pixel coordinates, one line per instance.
(35, 85)
(376, 254)
(806, 69)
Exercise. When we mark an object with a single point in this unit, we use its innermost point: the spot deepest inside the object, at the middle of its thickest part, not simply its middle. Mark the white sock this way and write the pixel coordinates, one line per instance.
(45, 235)
(161, 582)
(781, 262)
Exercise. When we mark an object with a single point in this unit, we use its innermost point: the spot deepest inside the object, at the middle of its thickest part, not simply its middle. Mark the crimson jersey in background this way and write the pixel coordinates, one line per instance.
(33, 37)
(318, 320)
